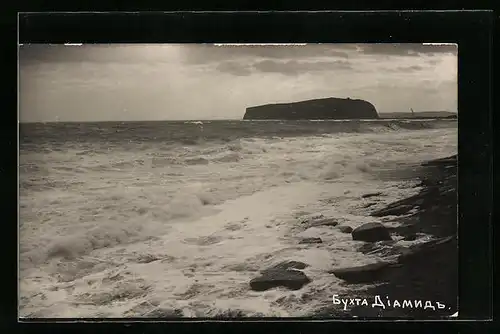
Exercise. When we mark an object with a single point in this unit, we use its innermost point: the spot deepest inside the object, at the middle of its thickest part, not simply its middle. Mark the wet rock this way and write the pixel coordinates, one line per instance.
(367, 247)
(272, 278)
(370, 247)
(371, 195)
(393, 211)
(404, 205)
(424, 250)
(450, 161)
(310, 241)
(345, 229)
(286, 265)
(325, 222)
(385, 251)
(371, 232)
(363, 274)
(411, 237)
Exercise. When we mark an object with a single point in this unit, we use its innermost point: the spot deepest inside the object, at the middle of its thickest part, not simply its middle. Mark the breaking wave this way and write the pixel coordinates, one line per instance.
(197, 133)
(155, 226)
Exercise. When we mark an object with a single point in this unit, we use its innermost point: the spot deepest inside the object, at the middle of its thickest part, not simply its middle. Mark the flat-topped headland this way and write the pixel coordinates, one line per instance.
(327, 108)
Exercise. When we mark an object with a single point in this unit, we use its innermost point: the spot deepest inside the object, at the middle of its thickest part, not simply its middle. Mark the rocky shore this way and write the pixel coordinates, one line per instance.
(427, 271)
(416, 281)
(418, 276)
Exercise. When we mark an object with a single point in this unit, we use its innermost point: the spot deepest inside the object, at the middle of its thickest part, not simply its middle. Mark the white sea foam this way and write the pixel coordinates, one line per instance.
(135, 233)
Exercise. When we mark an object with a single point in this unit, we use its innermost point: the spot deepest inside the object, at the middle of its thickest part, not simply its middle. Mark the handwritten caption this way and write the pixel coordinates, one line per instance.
(379, 302)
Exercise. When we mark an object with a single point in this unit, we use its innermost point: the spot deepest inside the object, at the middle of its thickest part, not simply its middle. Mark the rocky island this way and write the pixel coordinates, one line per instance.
(327, 108)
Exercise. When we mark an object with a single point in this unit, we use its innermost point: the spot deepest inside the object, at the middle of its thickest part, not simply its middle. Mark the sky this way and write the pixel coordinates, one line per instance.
(120, 82)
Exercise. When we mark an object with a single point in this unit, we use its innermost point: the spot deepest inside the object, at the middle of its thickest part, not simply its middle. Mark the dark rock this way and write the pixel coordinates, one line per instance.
(311, 241)
(451, 160)
(393, 211)
(147, 258)
(272, 278)
(324, 222)
(371, 195)
(406, 229)
(363, 274)
(285, 265)
(410, 237)
(367, 247)
(429, 271)
(383, 249)
(345, 229)
(424, 250)
(327, 108)
(371, 232)
(403, 204)
(370, 247)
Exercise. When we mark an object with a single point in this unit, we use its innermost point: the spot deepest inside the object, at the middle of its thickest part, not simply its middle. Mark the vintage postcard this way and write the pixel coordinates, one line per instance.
(238, 181)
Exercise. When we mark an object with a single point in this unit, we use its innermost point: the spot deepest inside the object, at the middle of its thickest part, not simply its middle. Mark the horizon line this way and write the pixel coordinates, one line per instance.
(219, 119)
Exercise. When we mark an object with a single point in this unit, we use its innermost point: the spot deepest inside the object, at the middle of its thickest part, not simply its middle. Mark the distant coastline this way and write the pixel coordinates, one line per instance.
(382, 116)
(420, 115)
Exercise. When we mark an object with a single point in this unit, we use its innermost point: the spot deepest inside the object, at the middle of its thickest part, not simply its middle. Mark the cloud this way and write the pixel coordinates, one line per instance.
(96, 53)
(200, 54)
(434, 61)
(294, 67)
(243, 60)
(285, 67)
(134, 82)
(407, 49)
(413, 68)
(405, 69)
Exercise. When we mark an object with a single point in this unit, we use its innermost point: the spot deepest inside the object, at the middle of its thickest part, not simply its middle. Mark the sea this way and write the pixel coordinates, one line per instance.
(174, 218)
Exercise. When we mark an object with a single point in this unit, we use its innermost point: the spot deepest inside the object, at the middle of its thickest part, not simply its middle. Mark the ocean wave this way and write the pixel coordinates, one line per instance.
(195, 133)
(114, 215)
(157, 162)
(192, 141)
(329, 169)
(227, 157)
(69, 247)
(187, 225)
(196, 161)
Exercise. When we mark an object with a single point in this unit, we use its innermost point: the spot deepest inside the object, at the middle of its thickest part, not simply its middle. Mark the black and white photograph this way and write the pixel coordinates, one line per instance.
(226, 181)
